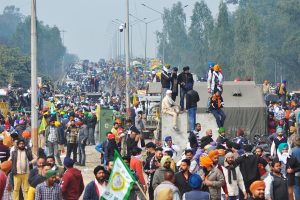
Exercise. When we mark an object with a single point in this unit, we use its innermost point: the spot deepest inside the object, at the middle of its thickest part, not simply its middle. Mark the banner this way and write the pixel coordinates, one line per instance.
(120, 181)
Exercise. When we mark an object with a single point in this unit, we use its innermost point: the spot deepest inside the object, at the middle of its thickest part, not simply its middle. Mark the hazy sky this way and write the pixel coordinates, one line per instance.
(88, 23)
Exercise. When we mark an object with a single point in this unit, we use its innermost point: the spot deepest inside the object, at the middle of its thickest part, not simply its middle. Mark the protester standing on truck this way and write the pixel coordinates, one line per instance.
(192, 98)
(186, 82)
(174, 83)
(165, 79)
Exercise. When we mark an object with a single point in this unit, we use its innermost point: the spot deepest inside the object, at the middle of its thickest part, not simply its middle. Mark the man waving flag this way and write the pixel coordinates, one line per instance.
(120, 181)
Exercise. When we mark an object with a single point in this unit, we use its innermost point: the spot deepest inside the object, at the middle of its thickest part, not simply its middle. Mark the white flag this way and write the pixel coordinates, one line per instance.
(120, 181)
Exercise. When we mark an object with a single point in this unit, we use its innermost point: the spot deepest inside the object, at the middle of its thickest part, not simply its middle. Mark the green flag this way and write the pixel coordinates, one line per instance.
(120, 181)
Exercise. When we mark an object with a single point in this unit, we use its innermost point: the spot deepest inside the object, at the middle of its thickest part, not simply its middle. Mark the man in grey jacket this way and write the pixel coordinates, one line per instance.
(213, 178)
(83, 136)
(158, 177)
(52, 137)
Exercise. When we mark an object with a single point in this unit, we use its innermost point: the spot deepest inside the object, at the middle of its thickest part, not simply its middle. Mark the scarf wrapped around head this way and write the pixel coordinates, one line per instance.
(213, 153)
(292, 129)
(282, 146)
(6, 166)
(50, 173)
(217, 67)
(221, 130)
(256, 185)
(230, 168)
(283, 156)
(205, 162)
(279, 130)
(164, 159)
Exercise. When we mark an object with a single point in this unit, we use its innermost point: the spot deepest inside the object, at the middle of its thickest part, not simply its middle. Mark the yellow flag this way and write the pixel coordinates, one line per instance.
(98, 110)
(43, 125)
(134, 98)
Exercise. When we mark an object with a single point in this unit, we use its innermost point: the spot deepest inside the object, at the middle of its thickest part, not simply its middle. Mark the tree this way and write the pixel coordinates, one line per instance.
(253, 41)
(247, 52)
(223, 39)
(9, 21)
(50, 47)
(14, 68)
(174, 35)
(200, 36)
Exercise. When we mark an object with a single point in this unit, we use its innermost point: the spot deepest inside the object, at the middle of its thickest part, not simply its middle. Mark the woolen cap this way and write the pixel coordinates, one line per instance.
(68, 162)
(186, 68)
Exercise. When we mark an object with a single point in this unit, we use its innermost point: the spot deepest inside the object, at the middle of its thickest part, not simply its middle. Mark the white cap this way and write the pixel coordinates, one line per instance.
(169, 92)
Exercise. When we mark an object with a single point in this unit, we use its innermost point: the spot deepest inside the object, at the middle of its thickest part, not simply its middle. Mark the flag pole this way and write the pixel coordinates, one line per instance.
(142, 191)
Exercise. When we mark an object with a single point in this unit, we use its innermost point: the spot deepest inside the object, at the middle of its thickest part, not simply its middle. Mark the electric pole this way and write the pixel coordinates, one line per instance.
(34, 102)
(127, 55)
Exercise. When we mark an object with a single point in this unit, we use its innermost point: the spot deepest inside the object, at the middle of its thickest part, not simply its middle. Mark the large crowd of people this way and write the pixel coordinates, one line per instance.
(210, 168)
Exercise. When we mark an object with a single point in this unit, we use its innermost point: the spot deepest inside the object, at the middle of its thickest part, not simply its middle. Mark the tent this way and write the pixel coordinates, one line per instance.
(247, 110)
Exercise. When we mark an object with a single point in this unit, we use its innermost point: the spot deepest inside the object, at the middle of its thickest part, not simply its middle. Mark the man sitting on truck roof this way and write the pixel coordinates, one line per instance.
(170, 107)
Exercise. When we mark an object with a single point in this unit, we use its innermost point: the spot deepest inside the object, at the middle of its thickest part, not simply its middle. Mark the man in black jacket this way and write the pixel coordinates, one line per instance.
(174, 83)
(151, 166)
(192, 97)
(165, 80)
(132, 140)
(91, 123)
(182, 177)
(186, 82)
(248, 164)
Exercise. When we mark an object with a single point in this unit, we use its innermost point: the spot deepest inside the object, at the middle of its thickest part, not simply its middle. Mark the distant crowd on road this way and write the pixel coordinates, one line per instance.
(208, 169)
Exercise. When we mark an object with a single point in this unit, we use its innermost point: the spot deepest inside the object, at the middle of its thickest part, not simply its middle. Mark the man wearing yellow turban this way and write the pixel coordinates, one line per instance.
(158, 177)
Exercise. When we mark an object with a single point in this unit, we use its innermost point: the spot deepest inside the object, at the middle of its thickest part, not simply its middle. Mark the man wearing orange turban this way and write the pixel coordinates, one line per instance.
(5, 168)
(214, 156)
(257, 189)
(206, 162)
(217, 79)
(212, 177)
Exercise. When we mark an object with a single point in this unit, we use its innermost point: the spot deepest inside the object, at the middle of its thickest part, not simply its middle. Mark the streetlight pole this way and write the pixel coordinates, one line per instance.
(161, 14)
(146, 33)
(131, 33)
(131, 24)
(34, 102)
(127, 54)
(163, 34)
(146, 30)
(119, 40)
